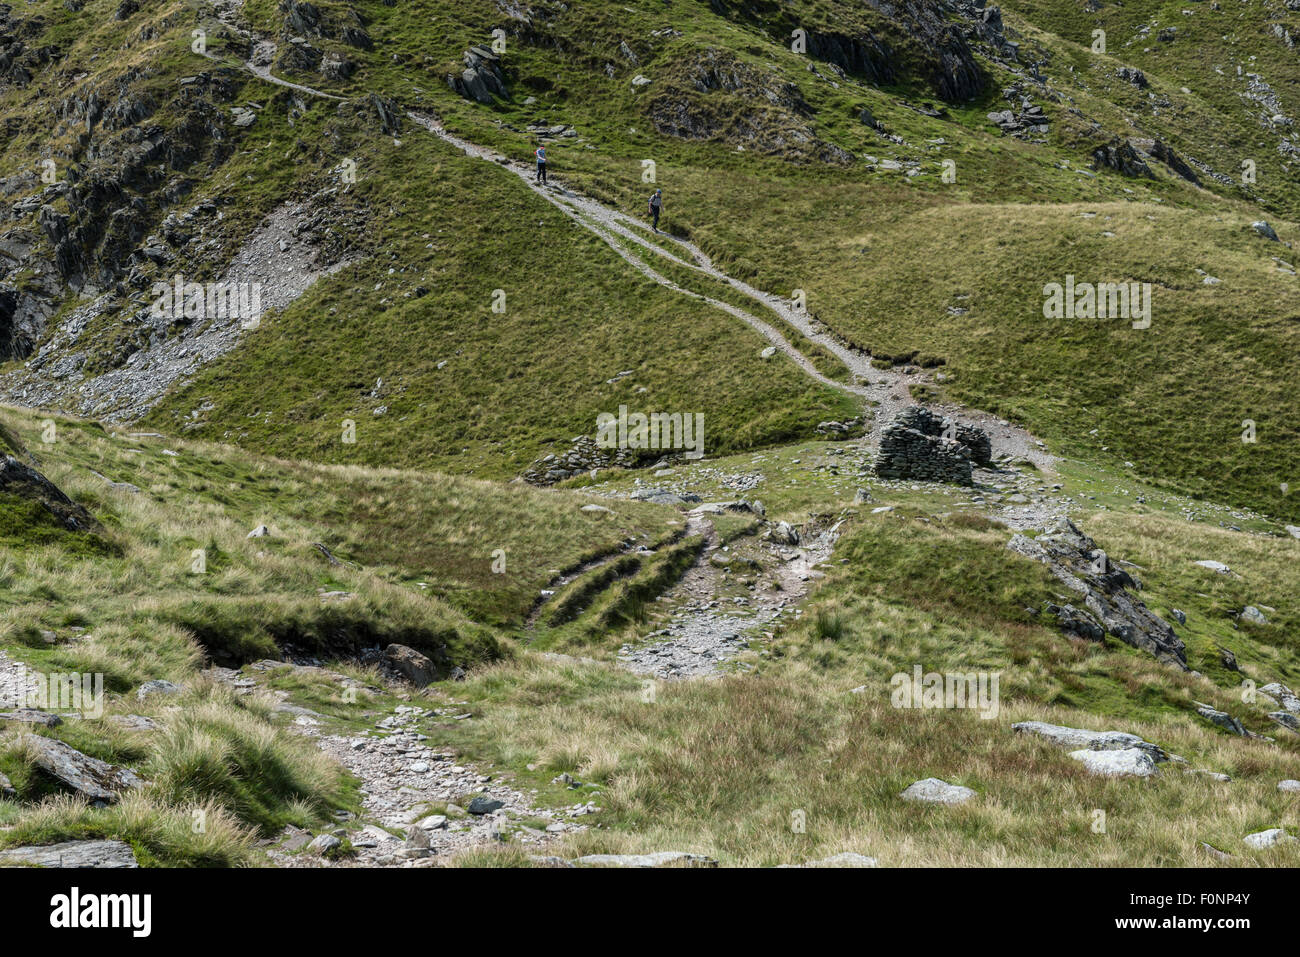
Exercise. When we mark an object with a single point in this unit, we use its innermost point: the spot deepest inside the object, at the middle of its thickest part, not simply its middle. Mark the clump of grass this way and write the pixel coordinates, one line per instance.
(202, 834)
(829, 624)
(224, 749)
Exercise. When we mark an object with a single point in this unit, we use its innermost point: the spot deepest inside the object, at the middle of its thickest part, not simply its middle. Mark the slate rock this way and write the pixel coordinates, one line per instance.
(98, 780)
(159, 687)
(1128, 762)
(32, 716)
(655, 859)
(71, 854)
(1092, 740)
(482, 805)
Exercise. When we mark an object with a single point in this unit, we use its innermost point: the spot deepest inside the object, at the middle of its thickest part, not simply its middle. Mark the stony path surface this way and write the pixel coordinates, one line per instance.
(707, 630)
(437, 804)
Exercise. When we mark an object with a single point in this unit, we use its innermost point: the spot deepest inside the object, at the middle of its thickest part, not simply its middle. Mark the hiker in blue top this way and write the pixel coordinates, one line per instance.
(540, 153)
(656, 204)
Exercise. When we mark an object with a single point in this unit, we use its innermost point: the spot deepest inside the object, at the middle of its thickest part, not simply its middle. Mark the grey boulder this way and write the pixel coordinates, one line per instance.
(935, 791)
(71, 854)
(1129, 762)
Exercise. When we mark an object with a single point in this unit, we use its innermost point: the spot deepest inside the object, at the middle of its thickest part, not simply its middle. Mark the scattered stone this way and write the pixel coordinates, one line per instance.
(323, 844)
(1220, 718)
(1289, 785)
(1254, 615)
(1212, 775)
(847, 859)
(1214, 566)
(157, 687)
(260, 532)
(1286, 719)
(1215, 852)
(1264, 229)
(934, 791)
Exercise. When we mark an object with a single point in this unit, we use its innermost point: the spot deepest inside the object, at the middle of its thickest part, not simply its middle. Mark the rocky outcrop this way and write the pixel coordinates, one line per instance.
(71, 854)
(1126, 762)
(1090, 740)
(1109, 607)
(1165, 154)
(920, 445)
(95, 779)
(25, 482)
(1122, 158)
(890, 42)
(716, 96)
(482, 78)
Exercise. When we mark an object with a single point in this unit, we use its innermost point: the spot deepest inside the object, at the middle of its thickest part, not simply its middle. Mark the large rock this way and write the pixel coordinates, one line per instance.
(97, 780)
(25, 482)
(31, 716)
(1284, 695)
(1121, 157)
(71, 854)
(1129, 762)
(1262, 839)
(482, 78)
(1078, 563)
(416, 668)
(1221, 718)
(655, 859)
(934, 791)
(1092, 740)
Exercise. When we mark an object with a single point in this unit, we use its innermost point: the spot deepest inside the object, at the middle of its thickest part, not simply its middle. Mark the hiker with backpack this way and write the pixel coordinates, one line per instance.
(540, 153)
(656, 205)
